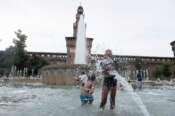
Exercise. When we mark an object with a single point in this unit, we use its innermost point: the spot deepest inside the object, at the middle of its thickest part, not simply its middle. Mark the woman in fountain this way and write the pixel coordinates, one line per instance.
(109, 81)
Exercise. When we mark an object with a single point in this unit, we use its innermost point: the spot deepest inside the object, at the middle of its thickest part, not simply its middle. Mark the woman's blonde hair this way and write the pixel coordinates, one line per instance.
(108, 53)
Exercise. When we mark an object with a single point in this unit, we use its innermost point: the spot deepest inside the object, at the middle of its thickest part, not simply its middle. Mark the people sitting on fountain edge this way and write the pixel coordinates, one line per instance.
(86, 90)
(109, 81)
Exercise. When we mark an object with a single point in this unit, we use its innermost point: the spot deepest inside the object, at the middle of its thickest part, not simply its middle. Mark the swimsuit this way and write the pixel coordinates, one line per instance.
(86, 99)
(110, 81)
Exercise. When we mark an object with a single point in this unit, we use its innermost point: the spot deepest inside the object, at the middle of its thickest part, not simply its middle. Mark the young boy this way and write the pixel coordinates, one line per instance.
(86, 91)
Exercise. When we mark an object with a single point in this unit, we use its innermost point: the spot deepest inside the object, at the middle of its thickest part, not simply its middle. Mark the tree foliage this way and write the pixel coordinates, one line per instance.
(20, 57)
(35, 63)
(6, 60)
(159, 71)
(17, 56)
(165, 71)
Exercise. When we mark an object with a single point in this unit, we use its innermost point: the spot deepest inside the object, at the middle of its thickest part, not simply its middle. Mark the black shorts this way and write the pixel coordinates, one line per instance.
(109, 81)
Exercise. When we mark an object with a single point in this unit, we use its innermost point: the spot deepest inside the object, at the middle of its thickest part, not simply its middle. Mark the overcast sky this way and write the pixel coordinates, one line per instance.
(128, 27)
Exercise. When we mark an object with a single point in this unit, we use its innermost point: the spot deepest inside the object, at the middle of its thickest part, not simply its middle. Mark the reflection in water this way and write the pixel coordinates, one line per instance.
(64, 101)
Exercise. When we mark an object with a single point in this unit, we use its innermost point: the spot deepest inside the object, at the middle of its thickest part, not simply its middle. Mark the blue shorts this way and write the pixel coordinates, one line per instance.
(86, 99)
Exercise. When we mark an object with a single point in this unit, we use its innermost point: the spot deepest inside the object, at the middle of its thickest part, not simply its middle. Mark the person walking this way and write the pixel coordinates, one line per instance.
(139, 80)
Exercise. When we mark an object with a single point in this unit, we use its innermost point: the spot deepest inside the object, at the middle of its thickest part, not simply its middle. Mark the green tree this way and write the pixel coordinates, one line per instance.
(35, 63)
(166, 70)
(17, 55)
(20, 57)
(173, 70)
(6, 60)
(158, 73)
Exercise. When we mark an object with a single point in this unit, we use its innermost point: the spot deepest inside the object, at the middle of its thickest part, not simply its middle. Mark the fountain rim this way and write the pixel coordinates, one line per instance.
(65, 66)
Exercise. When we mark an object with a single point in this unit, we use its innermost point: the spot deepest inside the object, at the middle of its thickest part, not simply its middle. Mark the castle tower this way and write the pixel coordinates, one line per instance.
(173, 47)
(71, 41)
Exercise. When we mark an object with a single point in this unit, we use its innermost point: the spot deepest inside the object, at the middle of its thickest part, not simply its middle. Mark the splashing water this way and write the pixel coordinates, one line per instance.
(127, 87)
(81, 52)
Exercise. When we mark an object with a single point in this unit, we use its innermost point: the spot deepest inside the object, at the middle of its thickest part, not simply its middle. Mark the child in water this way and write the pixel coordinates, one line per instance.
(86, 91)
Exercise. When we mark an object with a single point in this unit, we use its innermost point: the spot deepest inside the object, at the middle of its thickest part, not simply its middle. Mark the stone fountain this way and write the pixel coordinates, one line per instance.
(78, 56)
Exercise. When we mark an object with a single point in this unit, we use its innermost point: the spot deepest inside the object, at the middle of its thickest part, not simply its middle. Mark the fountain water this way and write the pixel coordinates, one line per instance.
(80, 58)
(81, 51)
(63, 74)
(127, 87)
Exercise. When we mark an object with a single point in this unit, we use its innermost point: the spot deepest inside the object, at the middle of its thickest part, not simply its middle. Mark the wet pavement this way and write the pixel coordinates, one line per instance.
(64, 101)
